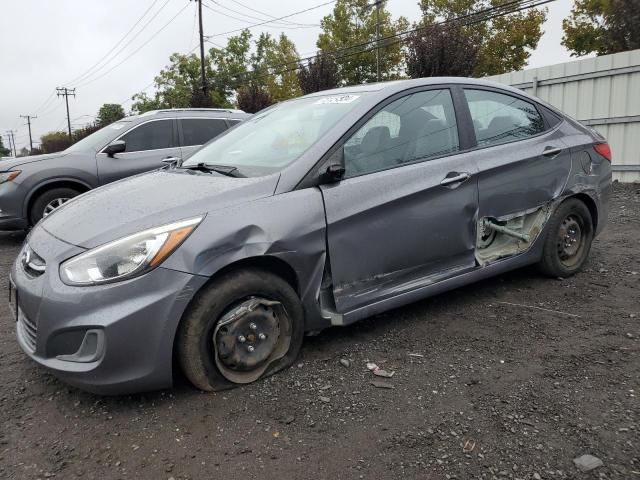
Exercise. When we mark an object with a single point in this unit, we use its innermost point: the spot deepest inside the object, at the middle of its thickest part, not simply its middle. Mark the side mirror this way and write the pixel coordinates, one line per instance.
(335, 172)
(118, 146)
(335, 168)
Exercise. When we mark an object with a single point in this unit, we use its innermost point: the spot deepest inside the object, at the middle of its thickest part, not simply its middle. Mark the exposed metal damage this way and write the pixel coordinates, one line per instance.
(510, 234)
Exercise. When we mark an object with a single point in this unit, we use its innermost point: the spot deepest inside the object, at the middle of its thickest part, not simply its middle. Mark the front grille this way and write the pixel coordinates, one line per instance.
(27, 330)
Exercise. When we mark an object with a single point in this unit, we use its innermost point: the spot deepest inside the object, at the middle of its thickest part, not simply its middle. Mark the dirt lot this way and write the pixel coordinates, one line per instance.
(527, 391)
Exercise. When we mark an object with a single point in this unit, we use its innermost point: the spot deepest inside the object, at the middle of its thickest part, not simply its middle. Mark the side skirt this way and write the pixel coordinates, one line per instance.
(420, 293)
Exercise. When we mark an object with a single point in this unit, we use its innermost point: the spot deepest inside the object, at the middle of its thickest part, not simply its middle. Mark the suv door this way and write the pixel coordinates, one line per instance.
(195, 132)
(147, 144)
(404, 215)
(523, 161)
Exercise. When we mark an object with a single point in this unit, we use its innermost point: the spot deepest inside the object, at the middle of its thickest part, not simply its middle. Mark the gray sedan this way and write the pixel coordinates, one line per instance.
(316, 212)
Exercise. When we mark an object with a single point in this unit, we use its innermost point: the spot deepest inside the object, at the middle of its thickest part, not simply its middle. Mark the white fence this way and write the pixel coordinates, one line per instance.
(603, 92)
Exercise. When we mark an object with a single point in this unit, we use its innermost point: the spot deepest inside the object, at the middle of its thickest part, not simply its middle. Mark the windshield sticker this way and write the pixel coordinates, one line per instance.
(337, 99)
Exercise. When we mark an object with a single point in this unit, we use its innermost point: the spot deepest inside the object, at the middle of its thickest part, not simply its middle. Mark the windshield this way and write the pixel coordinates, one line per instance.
(274, 138)
(99, 139)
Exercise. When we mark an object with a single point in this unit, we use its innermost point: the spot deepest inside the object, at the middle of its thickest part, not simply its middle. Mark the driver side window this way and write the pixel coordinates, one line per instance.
(153, 135)
(414, 128)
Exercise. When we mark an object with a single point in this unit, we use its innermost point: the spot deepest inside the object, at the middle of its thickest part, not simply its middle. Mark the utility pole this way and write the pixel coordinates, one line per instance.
(377, 4)
(205, 90)
(29, 117)
(12, 142)
(65, 92)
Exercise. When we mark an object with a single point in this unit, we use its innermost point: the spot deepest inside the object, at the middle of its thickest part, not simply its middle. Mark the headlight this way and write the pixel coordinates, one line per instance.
(8, 176)
(127, 257)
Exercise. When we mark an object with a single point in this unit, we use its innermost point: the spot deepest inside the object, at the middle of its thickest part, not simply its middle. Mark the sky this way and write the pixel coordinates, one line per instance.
(82, 44)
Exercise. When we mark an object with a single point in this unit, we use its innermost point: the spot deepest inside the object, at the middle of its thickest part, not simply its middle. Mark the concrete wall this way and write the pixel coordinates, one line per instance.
(603, 92)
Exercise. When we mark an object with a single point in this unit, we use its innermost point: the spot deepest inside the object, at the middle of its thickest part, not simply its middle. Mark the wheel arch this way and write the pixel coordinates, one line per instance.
(270, 263)
(62, 182)
(591, 205)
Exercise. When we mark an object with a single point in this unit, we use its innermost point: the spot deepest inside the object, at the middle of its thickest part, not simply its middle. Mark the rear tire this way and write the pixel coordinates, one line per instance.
(568, 239)
(45, 201)
(214, 338)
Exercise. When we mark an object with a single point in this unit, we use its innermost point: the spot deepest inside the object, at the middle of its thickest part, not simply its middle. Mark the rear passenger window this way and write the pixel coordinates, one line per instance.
(499, 118)
(417, 127)
(153, 135)
(198, 131)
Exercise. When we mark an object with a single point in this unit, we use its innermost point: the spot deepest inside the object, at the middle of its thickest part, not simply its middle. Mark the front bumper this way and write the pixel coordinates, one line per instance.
(12, 198)
(110, 339)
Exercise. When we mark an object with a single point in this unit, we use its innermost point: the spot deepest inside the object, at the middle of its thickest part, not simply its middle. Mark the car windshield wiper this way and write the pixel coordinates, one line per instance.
(227, 170)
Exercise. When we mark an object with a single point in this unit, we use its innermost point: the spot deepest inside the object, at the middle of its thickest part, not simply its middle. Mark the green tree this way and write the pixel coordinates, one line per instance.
(241, 62)
(353, 22)
(321, 73)
(253, 97)
(440, 50)
(277, 62)
(4, 152)
(178, 85)
(55, 141)
(109, 113)
(504, 42)
(602, 27)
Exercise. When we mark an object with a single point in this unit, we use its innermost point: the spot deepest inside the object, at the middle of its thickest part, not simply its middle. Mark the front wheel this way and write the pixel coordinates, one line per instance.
(48, 201)
(244, 326)
(568, 239)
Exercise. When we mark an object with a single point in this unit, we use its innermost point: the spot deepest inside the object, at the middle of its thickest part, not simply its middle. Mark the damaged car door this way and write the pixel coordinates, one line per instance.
(523, 166)
(404, 214)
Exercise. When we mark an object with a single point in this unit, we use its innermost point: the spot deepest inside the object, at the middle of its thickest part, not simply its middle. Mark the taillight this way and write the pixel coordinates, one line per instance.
(603, 149)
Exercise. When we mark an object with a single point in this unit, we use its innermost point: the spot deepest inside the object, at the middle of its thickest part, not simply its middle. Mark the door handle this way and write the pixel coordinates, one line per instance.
(454, 177)
(551, 152)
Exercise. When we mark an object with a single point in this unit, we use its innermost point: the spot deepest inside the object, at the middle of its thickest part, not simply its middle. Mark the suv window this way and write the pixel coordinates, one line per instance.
(419, 126)
(152, 135)
(500, 118)
(198, 131)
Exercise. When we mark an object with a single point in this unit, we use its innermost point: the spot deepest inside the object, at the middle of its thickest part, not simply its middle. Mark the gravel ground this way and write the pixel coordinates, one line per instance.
(493, 390)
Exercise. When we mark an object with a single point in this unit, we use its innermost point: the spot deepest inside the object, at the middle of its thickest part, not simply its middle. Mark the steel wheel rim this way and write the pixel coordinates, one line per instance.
(249, 337)
(53, 204)
(570, 240)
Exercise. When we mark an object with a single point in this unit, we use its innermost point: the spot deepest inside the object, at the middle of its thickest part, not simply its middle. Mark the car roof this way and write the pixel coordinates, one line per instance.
(382, 90)
(229, 113)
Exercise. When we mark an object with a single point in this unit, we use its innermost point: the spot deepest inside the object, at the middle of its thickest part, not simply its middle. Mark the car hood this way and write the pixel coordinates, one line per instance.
(150, 200)
(16, 162)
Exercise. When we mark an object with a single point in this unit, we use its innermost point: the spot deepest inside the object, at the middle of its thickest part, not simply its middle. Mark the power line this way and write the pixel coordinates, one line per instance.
(252, 18)
(87, 82)
(270, 21)
(465, 20)
(102, 63)
(46, 103)
(389, 40)
(269, 16)
(468, 19)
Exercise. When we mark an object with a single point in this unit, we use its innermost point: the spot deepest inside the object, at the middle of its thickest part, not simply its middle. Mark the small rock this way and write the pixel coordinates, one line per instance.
(629, 335)
(345, 363)
(586, 463)
(324, 399)
(536, 476)
(381, 384)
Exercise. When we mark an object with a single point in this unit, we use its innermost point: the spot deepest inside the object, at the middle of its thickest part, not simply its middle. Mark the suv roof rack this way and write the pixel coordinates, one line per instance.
(169, 110)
